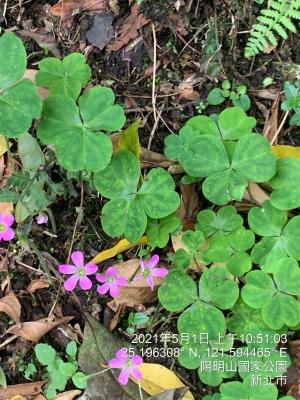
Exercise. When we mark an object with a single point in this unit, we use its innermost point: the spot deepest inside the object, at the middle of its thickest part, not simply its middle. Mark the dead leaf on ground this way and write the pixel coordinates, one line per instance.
(271, 124)
(68, 8)
(189, 205)
(30, 74)
(187, 91)
(11, 306)
(24, 389)
(255, 193)
(136, 292)
(101, 31)
(130, 29)
(6, 208)
(37, 284)
(44, 39)
(69, 395)
(173, 394)
(180, 23)
(35, 330)
(281, 151)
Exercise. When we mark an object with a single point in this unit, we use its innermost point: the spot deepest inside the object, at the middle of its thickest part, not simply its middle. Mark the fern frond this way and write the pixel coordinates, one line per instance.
(275, 20)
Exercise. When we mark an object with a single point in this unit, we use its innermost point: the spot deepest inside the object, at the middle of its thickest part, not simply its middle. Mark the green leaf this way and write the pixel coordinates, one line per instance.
(247, 391)
(129, 139)
(239, 263)
(75, 131)
(3, 382)
(79, 380)
(286, 184)
(287, 276)
(158, 231)
(140, 318)
(203, 125)
(217, 287)
(193, 240)
(71, 349)
(30, 153)
(177, 281)
(67, 369)
(7, 195)
(290, 236)
(267, 220)
(65, 77)
(45, 353)
(258, 290)
(215, 97)
(182, 259)
(243, 102)
(234, 123)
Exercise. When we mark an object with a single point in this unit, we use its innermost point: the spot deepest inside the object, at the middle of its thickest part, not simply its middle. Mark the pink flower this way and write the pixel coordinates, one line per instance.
(150, 271)
(79, 272)
(42, 218)
(111, 282)
(127, 365)
(6, 232)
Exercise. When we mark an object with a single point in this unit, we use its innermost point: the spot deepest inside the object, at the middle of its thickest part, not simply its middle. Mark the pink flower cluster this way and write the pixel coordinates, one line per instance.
(110, 280)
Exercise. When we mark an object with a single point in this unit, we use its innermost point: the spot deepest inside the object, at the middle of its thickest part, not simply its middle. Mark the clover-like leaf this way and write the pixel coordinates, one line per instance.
(177, 281)
(221, 223)
(126, 212)
(193, 240)
(234, 123)
(267, 220)
(76, 132)
(203, 125)
(247, 391)
(158, 231)
(278, 309)
(66, 77)
(217, 287)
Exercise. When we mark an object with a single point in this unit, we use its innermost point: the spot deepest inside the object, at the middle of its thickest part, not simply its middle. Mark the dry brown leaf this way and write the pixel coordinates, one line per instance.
(5, 171)
(257, 194)
(35, 330)
(11, 306)
(189, 205)
(271, 124)
(44, 39)
(67, 8)
(24, 389)
(69, 395)
(136, 292)
(130, 29)
(37, 284)
(187, 91)
(6, 208)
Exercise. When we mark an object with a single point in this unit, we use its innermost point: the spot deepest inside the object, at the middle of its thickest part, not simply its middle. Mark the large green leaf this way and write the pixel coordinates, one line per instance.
(30, 153)
(65, 77)
(267, 220)
(234, 123)
(76, 132)
(203, 125)
(247, 391)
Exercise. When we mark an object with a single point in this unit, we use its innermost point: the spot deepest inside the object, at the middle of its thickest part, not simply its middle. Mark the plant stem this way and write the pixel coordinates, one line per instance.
(140, 390)
(97, 373)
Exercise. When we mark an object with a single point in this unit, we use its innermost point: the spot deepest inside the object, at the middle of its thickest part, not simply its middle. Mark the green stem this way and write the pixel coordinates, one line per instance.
(140, 391)
(96, 373)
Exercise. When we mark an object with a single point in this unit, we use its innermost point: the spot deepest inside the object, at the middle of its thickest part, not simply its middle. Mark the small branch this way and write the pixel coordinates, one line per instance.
(154, 71)
(280, 127)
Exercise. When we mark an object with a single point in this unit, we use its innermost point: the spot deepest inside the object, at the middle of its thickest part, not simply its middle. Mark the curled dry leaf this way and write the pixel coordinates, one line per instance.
(69, 395)
(35, 330)
(67, 8)
(11, 306)
(130, 29)
(37, 284)
(24, 389)
(139, 291)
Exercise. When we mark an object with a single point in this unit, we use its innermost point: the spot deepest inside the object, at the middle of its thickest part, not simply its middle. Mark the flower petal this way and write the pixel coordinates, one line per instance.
(8, 234)
(8, 219)
(102, 289)
(121, 281)
(124, 376)
(111, 271)
(116, 363)
(150, 280)
(137, 360)
(114, 290)
(101, 278)
(142, 264)
(122, 354)
(136, 373)
(85, 283)
(67, 269)
(160, 272)
(71, 283)
(153, 261)
(90, 269)
(78, 258)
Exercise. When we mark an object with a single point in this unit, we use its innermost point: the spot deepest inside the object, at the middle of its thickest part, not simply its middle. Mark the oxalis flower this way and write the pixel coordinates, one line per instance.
(111, 282)
(79, 272)
(150, 271)
(42, 218)
(6, 232)
(127, 364)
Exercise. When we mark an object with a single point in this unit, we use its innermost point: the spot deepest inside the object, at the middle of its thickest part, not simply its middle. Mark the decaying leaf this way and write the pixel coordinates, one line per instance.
(137, 291)
(68, 8)
(187, 91)
(189, 205)
(35, 330)
(157, 379)
(173, 394)
(130, 29)
(98, 347)
(69, 395)
(101, 31)
(271, 124)
(281, 151)
(129, 139)
(37, 284)
(24, 389)
(11, 306)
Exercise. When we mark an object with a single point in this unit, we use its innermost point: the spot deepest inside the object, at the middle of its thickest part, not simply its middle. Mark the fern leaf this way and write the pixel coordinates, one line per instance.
(279, 29)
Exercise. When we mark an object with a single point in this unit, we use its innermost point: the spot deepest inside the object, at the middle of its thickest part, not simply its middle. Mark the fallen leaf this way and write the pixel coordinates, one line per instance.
(173, 394)
(138, 291)
(35, 330)
(6, 207)
(69, 395)
(271, 124)
(129, 139)
(44, 39)
(67, 8)
(30, 74)
(120, 247)
(98, 347)
(130, 29)
(157, 379)
(281, 151)
(180, 23)
(189, 205)
(187, 91)
(255, 193)
(3, 145)
(101, 31)
(37, 284)
(24, 389)
(11, 306)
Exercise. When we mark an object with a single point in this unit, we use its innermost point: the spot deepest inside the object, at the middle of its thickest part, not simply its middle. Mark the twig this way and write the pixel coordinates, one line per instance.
(77, 222)
(155, 126)
(280, 127)
(10, 339)
(154, 72)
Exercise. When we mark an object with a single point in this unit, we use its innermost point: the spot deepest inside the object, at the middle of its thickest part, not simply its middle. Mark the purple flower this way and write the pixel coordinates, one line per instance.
(127, 365)
(42, 218)
(150, 271)
(79, 272)
(6, 232)
(111, 282)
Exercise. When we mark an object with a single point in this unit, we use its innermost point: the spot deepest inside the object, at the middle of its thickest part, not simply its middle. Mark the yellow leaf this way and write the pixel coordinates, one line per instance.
(281, 151)
(3, 145)
(120, 247)
(157, 379)
(129, 139)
